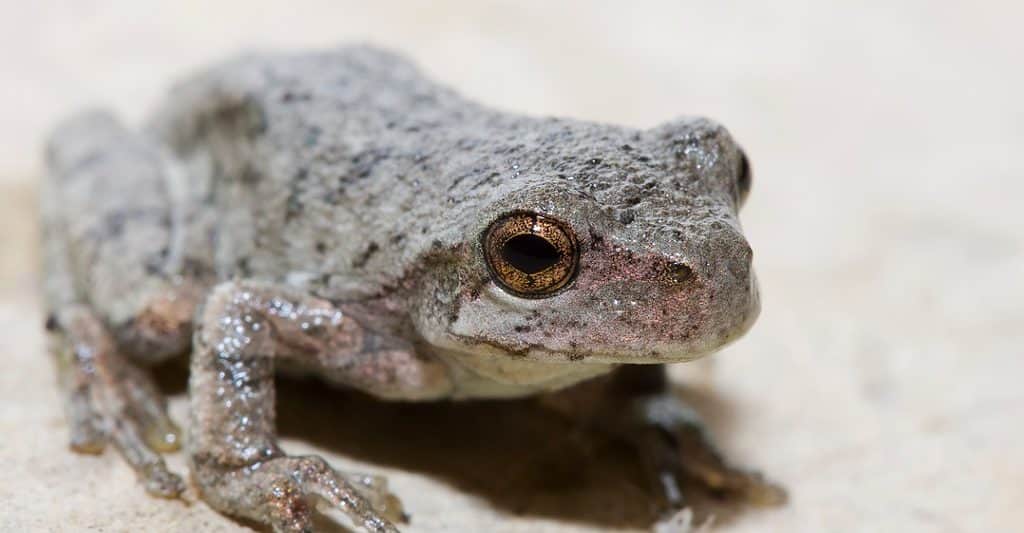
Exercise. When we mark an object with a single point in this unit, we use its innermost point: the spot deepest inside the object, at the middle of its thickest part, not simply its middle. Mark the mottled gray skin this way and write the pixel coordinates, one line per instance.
(324, 213)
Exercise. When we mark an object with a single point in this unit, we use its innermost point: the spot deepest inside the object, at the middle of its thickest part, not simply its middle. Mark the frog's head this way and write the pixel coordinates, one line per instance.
(630, 251)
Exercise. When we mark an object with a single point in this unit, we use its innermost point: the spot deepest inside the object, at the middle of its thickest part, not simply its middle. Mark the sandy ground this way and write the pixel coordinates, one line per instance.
(882, 384)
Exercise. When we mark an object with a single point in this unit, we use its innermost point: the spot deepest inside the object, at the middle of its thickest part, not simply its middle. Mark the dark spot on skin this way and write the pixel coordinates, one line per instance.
(396, 239)
(320, 247)
(522, 329)
(51, 322)
(480, 183)
(334, 197)
(626, 148)
(364, 257)
(293, 207)
(155, 263)
(290, 96)
(242, 265)
(627, 216)
(364, 162)
(313, 136)
(250, 176)
(113, 224)
(643, 159)
(467, 143)
(195, 269)
(456, 182)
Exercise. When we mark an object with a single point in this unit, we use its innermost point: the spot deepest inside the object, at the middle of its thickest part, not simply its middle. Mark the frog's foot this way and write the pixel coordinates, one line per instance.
(282, 492)
(674, 445)
(108, 399)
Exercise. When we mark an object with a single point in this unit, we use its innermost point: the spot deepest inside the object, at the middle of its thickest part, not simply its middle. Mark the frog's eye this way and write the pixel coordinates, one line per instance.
(744, 178)
(530, 255)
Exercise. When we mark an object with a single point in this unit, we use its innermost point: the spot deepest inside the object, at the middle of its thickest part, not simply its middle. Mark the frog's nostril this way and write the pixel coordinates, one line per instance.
(739, 266)
(679, 272)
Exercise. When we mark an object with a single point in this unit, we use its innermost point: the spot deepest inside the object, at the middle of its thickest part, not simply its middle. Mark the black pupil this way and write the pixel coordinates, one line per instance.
(530, 253)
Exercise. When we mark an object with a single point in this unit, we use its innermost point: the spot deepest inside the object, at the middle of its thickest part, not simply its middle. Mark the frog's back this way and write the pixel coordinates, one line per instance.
(320, 168)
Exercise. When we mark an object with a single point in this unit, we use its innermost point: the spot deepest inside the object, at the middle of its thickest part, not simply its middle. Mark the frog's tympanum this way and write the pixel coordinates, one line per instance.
(340, 215)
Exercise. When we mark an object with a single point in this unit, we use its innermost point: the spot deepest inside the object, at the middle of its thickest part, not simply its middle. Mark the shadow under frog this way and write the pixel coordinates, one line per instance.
(522, 458)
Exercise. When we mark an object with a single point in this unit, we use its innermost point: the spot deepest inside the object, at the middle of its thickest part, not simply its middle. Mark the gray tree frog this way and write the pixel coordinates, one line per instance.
(338, 214)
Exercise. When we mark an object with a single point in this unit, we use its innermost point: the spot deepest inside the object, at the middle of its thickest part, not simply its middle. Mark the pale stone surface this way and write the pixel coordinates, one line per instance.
(882, 384)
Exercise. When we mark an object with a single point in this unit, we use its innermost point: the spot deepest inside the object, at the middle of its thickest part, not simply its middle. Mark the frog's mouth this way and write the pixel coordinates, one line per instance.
(669, 328)
(650, 353)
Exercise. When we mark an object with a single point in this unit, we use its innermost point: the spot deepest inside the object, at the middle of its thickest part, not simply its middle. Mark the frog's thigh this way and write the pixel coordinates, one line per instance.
(243, 328)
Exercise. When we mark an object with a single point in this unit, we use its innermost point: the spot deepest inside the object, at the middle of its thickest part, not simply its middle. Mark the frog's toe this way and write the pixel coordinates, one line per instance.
(163, 483)
(86, 436)
(281, 491)
(375, 489)
(148, 465)
(140, 435)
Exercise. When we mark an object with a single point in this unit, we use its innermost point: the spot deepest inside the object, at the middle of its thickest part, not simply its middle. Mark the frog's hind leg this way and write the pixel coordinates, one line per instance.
(109, 399)
(107, 234)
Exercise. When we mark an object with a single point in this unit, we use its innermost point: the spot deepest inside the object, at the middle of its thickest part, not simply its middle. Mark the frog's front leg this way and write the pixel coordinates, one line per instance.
(636, 404)
(235, 458)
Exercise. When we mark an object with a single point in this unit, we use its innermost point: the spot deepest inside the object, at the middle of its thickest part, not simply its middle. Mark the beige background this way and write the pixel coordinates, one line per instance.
(883, 384)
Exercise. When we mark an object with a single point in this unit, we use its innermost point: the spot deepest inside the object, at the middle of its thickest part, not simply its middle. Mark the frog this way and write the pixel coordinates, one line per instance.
(337, 214)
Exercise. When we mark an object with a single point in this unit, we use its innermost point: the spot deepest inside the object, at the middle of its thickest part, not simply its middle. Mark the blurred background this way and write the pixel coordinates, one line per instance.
(882, 384)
